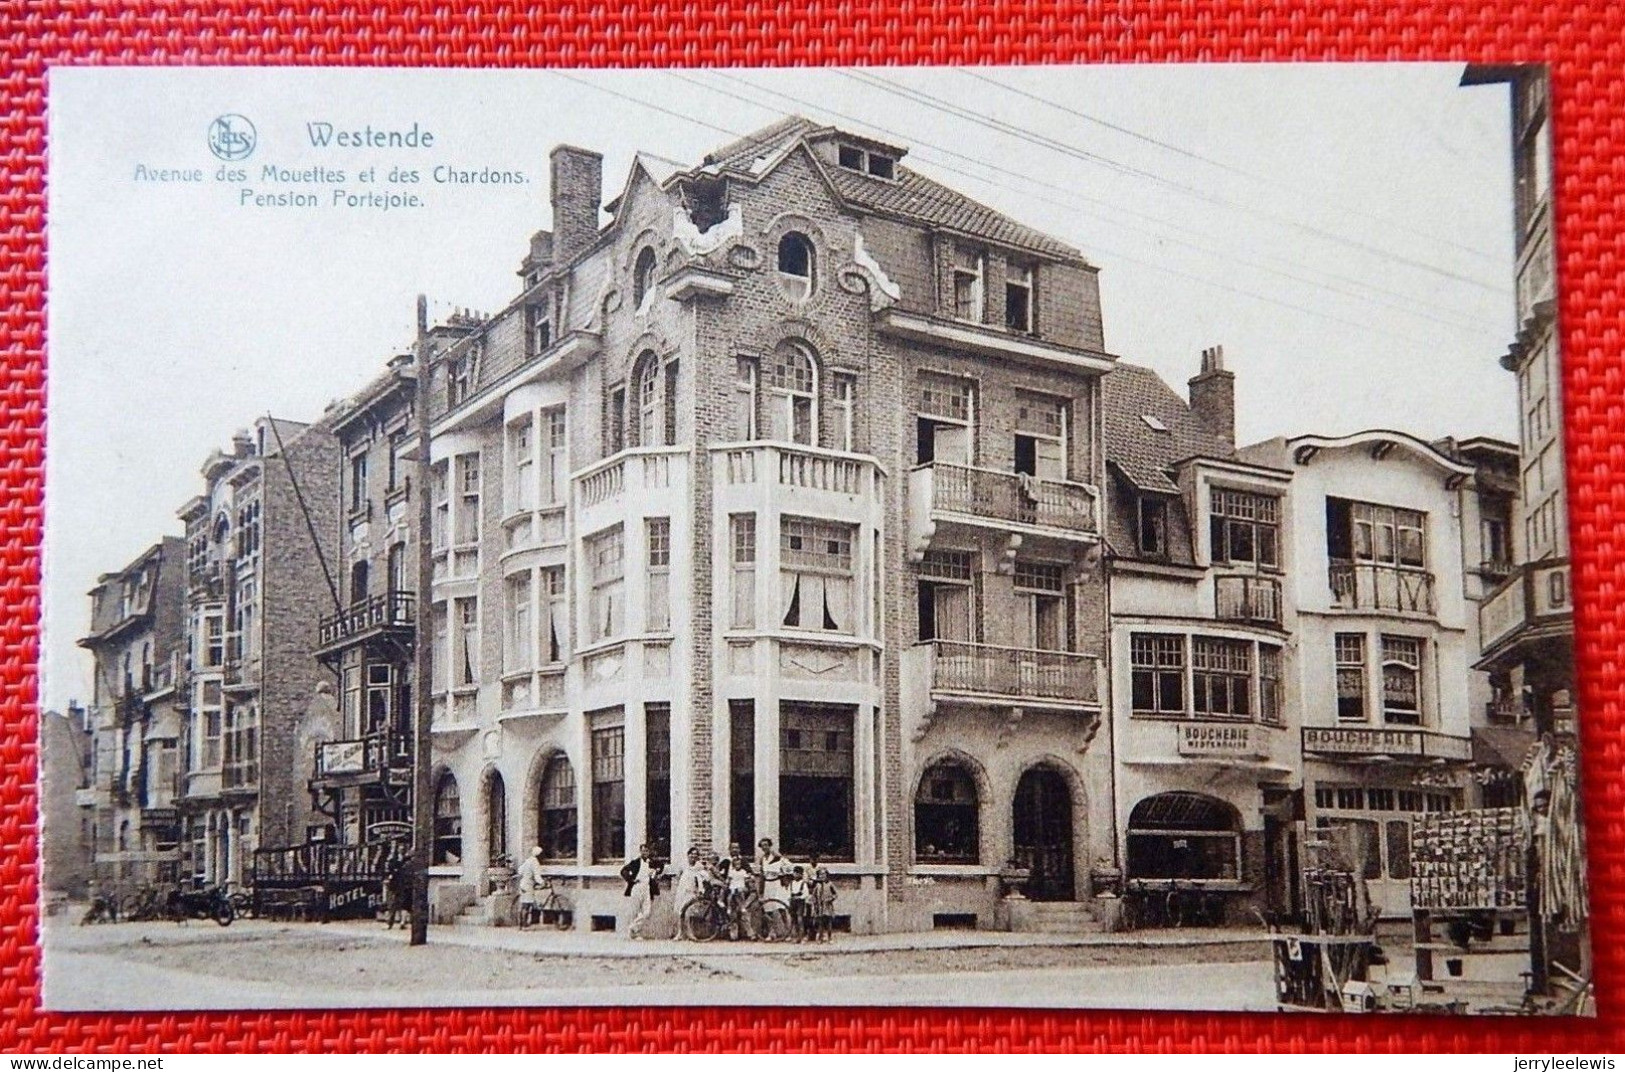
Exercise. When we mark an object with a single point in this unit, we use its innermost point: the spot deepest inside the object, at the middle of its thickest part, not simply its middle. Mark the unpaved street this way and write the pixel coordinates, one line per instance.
(254, 964)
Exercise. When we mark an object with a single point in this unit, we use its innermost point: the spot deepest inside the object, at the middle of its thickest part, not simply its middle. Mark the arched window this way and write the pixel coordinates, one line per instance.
(1184, 835)
(656, 413)
(496, 817)
(448, 822)
(791, 379)
(946, 821)
(558, 810)
(643, 279)
(796, 264)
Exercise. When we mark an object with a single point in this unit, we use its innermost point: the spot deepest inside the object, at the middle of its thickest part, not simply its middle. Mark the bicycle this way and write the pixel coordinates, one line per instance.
(142, 906)
(552, 908)
(712, 915)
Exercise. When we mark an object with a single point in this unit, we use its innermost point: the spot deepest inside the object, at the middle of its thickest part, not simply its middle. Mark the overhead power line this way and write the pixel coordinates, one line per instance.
(1073, 203)
(1366, 327)
(1240, 172)
(1043, 141)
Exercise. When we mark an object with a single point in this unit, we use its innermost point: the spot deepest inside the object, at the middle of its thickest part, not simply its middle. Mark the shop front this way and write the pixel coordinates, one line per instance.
(1375, 783)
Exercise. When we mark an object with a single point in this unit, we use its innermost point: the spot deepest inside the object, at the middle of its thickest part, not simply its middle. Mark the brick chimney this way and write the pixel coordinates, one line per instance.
(578, 193)
(1213, 395)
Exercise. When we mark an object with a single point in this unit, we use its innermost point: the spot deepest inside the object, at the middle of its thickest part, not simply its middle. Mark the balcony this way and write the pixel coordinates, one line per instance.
(1532, 607)
(1507, 711)
(387, 613)
(1013, 675)
(644, 478)
(1378, 744)
(1255, 600)
(375, 757)
(1016, 503)
(1373, 586)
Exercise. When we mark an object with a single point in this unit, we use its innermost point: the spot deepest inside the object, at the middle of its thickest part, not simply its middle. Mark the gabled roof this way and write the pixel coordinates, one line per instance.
(909, 195)
(1141, 453)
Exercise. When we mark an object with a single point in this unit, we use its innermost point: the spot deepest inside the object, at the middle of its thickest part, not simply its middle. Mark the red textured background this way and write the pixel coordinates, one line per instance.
(1585, 45)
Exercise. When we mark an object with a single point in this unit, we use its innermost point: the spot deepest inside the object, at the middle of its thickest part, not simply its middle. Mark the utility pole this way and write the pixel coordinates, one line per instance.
(423, 651)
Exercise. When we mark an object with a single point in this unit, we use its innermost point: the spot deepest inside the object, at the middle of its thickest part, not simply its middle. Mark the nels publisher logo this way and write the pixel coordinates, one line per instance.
(232, 137)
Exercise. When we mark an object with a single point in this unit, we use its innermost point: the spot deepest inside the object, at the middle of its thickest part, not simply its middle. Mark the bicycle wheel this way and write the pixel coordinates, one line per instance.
(774, 924)
(701, 919)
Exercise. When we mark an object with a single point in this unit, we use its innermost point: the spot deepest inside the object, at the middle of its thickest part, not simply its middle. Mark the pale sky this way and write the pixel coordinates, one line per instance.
(1344, 231)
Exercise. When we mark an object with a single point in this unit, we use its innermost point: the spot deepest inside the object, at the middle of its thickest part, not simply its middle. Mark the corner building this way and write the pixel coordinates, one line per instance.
(771, 509)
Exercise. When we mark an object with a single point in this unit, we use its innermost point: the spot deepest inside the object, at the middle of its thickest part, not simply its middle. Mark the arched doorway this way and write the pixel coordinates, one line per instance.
(1042, 821)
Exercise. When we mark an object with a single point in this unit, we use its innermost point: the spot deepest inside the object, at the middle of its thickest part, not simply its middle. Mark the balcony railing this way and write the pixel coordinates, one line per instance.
(1014, 673)
(375, 753)
(386, 610)
(1506, 711)
(1532, 601)
(1012, 497)
(1373, 586)
(1248, 599)
(1364, 743)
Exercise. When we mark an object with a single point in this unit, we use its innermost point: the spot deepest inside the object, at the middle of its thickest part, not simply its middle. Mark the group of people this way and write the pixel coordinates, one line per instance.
(739, 882)
(766, 880)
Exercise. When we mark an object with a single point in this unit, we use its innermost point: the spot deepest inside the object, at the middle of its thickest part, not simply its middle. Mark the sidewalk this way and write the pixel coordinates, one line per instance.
(576, 943)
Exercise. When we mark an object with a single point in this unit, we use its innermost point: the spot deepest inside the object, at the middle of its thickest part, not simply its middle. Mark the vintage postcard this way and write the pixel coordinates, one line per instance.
(1050, 537)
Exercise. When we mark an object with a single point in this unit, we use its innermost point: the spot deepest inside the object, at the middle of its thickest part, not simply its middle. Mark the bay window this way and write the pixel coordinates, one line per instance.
(551, 638)
(816, 574)
(516, 634)
(522, 464)
(1158, 674)
(608, 789)
(816, 804)
(606, 573)
(658, 563)
(1245, 528)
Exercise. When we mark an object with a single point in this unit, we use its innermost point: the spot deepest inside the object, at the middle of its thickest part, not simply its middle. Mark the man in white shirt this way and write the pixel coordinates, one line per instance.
(690, 887)
(529, 879)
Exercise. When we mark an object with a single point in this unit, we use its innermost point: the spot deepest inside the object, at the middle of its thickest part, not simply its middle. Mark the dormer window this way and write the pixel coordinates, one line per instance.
(1018, 297)
(1151, 527)
(796, 265)
(969, 268)
(541, 326)
(867, 162)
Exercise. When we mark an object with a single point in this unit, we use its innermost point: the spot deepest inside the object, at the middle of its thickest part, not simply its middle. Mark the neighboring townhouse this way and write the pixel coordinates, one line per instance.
(1205, 725)
(771, 509)
(66, 746)
(361, 767)
(1384, 548)
(137, 628)
(1527, 623)
(260, 544)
